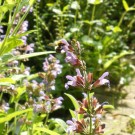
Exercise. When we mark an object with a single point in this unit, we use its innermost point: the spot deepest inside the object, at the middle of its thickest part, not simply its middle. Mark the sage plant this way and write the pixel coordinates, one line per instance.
(87, 120)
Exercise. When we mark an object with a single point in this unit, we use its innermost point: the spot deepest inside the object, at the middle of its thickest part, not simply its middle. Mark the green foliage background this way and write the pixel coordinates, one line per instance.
(105, 31)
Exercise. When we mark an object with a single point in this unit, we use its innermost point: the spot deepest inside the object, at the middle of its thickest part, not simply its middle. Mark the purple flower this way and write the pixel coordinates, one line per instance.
(74, 81)
(29, 48)
(71, 125)
(72, 59)
(102, 80)
(57, 103)
(64, 46)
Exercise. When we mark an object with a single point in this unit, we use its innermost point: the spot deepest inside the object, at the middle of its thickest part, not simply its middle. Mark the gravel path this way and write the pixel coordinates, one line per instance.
(116, 121)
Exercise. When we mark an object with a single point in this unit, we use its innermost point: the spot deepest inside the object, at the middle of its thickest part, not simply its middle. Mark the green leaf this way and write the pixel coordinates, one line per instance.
(74, 101)
(7, 80)
(50, 132)
(25, 33)
(20, 91)
(114, 29)
(125, 4)
(30, 55)
(57, 11)
(18, 77)
(6, 57)
(131, 9)
(8, 117)
(91, 95)
(10, 1)
(31, 2)
(11, 43)
(24, 133)
(6, 7)
(87, 40)
(73, 114)
(108, 106)
(61, 123)
(95, 2)
(117, 29)
(115, 58)
(75, 5)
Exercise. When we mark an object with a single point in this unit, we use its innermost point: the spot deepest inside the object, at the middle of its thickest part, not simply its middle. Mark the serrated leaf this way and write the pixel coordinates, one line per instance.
(8, 117)
(125, 4)
(74, 101)
(50, 132)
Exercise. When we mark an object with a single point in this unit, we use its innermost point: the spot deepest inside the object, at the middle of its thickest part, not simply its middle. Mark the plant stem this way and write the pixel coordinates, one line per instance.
(10, 23)
(46, 120)
(21, 21)
(1, 95)
(121, 19)
(16, 103)
(89, 111)
(92, 18)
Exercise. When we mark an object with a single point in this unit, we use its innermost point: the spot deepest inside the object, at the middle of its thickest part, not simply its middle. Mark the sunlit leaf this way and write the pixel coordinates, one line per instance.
(117, 29)
(25, 33)
(7, 80)
(18, 77)
(30, 55)
(61, 123)
(45, 130)
(8, 117)
(108, 106)
(74, 101)
(57, 11)
(24, 133)
(125, 4)
(11, 43)
(95, 2)
(87, 40)
(75, 5)
(73, 114)
(6, 7)
(20, 91)
(31, 2)
(115, 58)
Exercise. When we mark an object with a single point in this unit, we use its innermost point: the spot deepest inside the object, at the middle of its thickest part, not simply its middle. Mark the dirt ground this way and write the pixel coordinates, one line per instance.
(116, 121)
